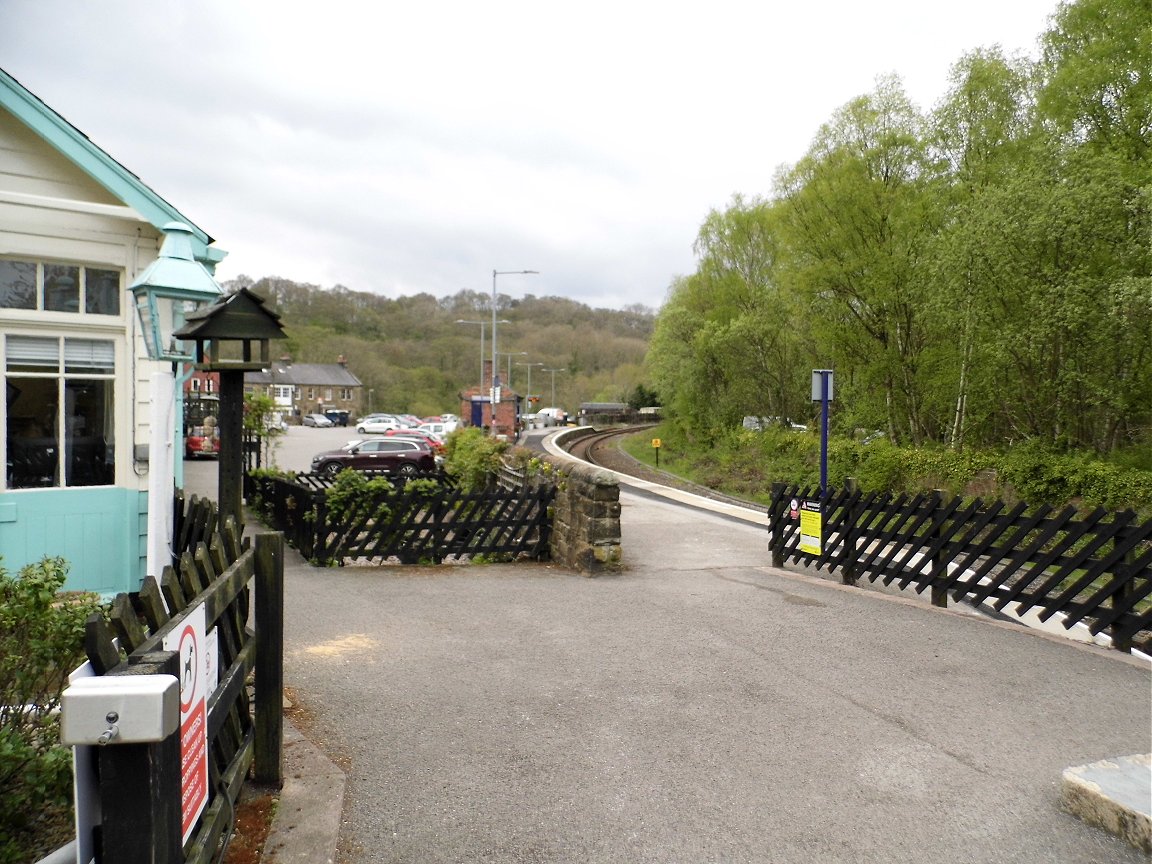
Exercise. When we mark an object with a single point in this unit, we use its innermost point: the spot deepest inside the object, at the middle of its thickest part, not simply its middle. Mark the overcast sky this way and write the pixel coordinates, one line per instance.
(417, 146)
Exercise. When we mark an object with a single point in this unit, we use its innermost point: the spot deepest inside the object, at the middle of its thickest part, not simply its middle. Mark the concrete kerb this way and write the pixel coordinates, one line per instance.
(306, 825)
(1114, 795)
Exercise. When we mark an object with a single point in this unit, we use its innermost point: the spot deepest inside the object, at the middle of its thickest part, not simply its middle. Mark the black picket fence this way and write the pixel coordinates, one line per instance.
(410, 525)
(140, 785)
(1094, 567)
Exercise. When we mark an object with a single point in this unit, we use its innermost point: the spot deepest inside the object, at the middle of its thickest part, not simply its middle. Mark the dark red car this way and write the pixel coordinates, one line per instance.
(403, 456)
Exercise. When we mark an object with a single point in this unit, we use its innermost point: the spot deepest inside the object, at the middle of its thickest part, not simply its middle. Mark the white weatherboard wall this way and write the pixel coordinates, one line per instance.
(52, 211)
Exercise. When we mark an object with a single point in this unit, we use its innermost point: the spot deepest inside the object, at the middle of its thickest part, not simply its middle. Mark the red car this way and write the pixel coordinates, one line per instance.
(201, 441)
(418, 434)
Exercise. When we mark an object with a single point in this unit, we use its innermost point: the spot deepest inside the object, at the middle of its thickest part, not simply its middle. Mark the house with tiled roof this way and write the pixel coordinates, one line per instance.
(308, 388)
(76, 228)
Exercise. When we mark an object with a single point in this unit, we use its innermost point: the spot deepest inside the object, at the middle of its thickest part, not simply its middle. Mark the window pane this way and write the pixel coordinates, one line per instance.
(101, 291)
(31, 433)
(89, 355)
(33, 354)
(88, 441)
(61, 288)
(17, 285)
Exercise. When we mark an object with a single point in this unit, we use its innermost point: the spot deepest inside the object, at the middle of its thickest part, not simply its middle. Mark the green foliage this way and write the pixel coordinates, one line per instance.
(978, 277)
(473, 458)
(355, 495)
(41, 641)
(746, 464)
(260, 410)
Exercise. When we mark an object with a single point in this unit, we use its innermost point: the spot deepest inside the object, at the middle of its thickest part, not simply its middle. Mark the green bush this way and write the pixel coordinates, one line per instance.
(41, 641)
(745, 464)
(473, 458)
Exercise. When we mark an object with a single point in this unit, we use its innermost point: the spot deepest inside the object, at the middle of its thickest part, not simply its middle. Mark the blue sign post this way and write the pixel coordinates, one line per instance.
(822, 393)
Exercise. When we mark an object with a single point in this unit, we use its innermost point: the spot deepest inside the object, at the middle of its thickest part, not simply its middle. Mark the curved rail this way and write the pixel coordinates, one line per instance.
(601, 448)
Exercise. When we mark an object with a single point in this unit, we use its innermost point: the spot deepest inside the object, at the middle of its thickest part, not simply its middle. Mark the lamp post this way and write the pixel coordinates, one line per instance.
(482, 324)
(370, 392)
(171, 287)
(495, 382)
(510, 355)
(554, 371)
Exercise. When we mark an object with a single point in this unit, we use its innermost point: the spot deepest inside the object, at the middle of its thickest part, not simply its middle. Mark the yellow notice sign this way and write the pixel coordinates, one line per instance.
(656, 443)
(811, 528)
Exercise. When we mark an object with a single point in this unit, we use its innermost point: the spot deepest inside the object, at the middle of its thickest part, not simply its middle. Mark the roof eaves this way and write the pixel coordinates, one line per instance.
(97, 164)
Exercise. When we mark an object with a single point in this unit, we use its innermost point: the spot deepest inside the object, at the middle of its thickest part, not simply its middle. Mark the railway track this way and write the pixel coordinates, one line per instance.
(602, 449)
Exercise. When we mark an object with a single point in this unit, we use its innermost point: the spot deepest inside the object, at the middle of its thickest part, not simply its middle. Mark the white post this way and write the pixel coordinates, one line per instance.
(161, 463)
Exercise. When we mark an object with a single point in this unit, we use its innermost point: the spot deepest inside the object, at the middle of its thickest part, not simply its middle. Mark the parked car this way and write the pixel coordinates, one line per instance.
(439, 429)
(428, 438)
(338, 416)
(411, 421)
(317, 420)
(377, 425)
(402, 456)
(759, 424)
(201, 441)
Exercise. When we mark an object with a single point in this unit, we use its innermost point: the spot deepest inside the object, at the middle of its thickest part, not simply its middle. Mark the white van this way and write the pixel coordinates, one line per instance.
(551, 417)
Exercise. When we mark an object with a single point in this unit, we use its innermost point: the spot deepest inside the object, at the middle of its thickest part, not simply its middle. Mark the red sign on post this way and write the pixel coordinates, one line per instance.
(196, 664)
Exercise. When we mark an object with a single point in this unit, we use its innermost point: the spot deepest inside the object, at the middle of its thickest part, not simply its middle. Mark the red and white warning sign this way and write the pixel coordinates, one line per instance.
(196, 665)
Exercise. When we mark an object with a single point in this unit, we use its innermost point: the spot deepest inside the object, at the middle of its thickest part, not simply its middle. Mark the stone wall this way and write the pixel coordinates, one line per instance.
(586, 522)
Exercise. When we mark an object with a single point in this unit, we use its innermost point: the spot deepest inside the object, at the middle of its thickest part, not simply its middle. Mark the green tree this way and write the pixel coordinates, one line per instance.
(856, 212)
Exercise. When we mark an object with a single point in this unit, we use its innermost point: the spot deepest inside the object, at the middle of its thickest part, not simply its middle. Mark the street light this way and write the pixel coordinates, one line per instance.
(510, 355)
(495, 356)
(554, 371)
(482, 324)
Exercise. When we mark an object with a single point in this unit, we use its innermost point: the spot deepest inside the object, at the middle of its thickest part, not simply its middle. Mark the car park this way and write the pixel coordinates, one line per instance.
(317, 420)
(402, 456)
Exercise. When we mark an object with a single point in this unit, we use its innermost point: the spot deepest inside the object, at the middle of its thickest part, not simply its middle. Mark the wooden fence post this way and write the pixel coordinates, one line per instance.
(939, 569)
(140, 788)
(775, 524)
(269, 665)
(848, 558)
(1123, 568)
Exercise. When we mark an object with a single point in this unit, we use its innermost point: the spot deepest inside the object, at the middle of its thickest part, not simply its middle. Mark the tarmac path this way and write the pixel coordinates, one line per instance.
(700, 706)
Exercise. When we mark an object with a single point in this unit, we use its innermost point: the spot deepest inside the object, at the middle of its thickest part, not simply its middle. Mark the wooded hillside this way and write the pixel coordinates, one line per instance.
(415, 357)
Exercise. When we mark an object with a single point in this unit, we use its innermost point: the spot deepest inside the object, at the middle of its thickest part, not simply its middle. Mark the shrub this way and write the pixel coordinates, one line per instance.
(473, 458)
(41, 641)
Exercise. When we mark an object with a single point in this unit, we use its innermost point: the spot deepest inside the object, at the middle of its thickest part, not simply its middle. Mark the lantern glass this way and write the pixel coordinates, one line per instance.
(160, 316)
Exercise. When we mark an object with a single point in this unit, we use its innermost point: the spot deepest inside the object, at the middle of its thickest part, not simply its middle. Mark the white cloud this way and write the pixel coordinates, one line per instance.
(403, 147)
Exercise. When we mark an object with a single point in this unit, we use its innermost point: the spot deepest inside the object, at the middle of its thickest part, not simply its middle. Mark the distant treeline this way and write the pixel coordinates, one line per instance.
(415, 358)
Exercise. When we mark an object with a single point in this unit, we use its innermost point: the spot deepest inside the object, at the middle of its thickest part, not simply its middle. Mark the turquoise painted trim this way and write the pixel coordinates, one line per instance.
(98, 165)
(97, 530)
